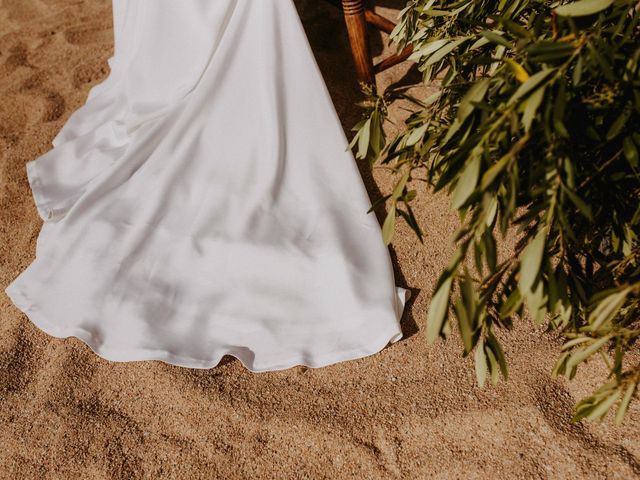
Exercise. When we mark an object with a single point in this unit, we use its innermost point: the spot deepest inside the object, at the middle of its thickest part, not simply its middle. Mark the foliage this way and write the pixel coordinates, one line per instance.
(534, 129)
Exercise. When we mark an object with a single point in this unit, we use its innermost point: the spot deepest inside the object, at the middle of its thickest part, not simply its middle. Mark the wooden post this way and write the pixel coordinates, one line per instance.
(354, 15)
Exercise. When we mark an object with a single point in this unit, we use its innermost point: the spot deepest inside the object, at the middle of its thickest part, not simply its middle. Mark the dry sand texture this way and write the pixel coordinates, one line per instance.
(411, 411)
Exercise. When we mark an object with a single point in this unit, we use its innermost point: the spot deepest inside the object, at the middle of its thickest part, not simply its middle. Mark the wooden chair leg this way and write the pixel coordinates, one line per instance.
(354, 14)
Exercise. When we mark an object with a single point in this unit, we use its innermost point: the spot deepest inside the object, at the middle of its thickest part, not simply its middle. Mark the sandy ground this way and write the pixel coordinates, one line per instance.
(411, 411)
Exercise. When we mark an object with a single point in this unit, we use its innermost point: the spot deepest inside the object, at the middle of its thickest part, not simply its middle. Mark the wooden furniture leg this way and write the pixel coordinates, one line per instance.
(357, 17)
(354, 15)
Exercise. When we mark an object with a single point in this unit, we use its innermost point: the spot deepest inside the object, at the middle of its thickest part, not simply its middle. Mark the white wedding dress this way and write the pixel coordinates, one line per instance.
(203, 202)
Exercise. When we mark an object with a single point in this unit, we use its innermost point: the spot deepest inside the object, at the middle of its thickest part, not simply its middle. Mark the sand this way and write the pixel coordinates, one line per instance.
(410, 411)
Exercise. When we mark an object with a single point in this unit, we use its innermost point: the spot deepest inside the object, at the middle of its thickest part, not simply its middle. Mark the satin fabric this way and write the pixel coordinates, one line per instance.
(203, 202)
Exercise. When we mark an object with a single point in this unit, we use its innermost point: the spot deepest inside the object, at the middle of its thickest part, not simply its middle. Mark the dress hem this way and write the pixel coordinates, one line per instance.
(22, 301)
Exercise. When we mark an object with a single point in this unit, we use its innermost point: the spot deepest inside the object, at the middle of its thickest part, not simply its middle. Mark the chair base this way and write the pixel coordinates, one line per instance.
(357, 17)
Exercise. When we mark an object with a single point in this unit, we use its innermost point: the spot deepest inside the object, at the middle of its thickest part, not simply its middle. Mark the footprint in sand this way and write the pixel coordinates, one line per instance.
(95, 32)
(21, 11)
(55, 106)
(556, 405)
(18, 57)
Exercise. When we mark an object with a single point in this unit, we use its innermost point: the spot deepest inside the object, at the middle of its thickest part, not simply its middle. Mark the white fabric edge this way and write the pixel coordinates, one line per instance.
(37, 191)
(392, 335)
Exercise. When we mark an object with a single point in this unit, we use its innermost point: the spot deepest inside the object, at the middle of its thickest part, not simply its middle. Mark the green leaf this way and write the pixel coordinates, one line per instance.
(377, 134)
(576, 341)
(495, 37)
(357, 129)
(481, 363)
(399, 188)
(490, 250)
(624, 403)
(467, 182)
(537, 303)
(605, 65)
(493, 172)
(388, 228)
(417, 135)
(535, 80)
(618, 124)
(515, 28)
(577, 72)
(601, 410)
(432, 12)
(584, 353)
(531, 260)
(480, 42)
(513, 302)
(491, 211)
(363, 140)
(499, 354)
(453, 129)
(466, 330)
(438, 309)
(583, 8)
(493, 365)
(559, 109)
(428, 49)
(630, 152)
(561, 365)
(607, 309)
(578, 202)
(468, 306)
(444, 51)
(476, 94)
(531, 106)
(549, 51)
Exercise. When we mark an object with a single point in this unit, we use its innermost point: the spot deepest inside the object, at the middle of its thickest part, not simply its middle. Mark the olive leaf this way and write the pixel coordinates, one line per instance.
(583, 8)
